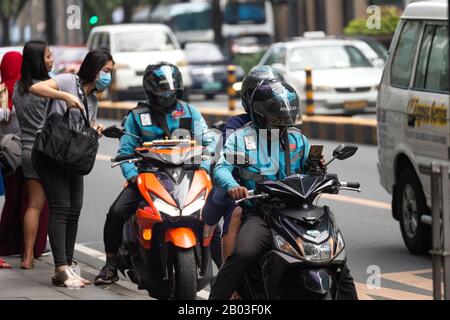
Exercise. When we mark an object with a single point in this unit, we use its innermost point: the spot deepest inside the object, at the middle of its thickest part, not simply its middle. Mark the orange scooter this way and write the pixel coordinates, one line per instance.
(166, 246)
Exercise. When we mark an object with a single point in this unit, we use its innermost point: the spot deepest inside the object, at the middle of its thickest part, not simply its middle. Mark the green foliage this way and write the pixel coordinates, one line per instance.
(389, 21)
(248, 61)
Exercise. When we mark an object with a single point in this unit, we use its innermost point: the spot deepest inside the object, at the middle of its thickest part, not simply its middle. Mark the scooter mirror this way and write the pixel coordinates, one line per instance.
(113, 132)
(344, 152)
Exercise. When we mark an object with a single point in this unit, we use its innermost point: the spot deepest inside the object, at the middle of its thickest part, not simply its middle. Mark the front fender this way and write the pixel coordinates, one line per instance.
(181, 237)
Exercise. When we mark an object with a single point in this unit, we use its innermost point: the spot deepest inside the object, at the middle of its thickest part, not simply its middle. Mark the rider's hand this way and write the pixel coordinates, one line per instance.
(238, 193)
(322, 162)
(132, 181)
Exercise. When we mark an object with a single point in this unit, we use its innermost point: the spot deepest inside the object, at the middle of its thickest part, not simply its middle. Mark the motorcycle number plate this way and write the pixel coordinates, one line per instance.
(146, 120)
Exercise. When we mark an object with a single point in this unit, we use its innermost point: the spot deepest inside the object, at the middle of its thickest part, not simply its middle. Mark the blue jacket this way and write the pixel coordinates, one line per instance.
(270, 166)
(140, 122)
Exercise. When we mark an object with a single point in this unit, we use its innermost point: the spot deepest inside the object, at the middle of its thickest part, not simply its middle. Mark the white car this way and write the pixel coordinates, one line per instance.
(134, 47)
(343, 78)
(413, 117)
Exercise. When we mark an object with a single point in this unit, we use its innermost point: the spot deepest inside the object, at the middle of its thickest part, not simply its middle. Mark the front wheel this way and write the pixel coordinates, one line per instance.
(185, 267)
(410, 205)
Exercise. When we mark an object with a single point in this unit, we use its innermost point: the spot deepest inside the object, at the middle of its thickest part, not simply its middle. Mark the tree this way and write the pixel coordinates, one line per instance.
(9, 11)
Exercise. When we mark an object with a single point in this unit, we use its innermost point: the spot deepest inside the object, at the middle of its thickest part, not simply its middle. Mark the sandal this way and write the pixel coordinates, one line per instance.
(68, 278)
(74, 266)
(26, 267)
(4, 264)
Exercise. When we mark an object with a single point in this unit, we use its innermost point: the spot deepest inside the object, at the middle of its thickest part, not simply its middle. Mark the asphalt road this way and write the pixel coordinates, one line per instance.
(373, 238)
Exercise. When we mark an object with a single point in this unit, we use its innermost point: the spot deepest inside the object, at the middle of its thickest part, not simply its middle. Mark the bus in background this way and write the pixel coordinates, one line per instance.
(192, 22)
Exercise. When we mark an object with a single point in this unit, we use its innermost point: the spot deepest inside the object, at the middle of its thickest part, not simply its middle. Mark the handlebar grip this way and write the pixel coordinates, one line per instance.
(354, 185)
(123, 158)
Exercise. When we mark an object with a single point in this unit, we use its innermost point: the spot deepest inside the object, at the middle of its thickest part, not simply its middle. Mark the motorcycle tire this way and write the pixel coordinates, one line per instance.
(185, 274)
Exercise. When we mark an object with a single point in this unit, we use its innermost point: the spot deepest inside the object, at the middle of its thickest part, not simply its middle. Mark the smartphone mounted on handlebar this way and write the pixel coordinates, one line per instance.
(314, 165)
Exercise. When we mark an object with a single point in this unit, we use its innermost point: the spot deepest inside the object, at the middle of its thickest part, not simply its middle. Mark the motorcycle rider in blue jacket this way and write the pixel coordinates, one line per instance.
(162, 116)
(275, 150)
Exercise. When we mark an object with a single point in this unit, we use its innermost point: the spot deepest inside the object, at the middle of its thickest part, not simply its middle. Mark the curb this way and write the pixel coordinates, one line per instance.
(343, 129)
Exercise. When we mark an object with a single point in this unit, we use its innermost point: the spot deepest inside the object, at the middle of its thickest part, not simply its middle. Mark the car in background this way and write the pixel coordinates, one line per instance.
(208, 69)
(249, 44)
(68, 59)
(344, 80)
(134, 47)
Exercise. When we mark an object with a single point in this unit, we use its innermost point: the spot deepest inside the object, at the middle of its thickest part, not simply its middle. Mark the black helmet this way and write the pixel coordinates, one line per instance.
(254, 77)
(163, 85)
(275, 105)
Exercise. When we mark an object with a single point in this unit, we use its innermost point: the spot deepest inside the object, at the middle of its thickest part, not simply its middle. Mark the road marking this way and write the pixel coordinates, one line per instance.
(411, 278)
(341, 198)
(90, 252)
(358, 201)
(364, 293)
(104, 157)
(101, 256)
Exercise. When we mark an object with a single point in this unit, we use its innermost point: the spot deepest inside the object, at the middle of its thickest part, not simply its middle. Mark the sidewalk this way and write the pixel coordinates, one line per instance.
(35, 284)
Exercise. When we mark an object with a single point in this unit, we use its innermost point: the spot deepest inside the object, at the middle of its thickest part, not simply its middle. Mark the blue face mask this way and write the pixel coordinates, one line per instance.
(104, 81)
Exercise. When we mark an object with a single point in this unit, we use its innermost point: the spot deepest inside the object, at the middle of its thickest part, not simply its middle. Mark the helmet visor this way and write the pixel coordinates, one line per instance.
(278, 103)
(161, 80)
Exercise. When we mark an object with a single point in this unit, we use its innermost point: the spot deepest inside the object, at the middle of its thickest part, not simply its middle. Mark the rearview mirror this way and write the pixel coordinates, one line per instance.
(113, 132)
(344, 151)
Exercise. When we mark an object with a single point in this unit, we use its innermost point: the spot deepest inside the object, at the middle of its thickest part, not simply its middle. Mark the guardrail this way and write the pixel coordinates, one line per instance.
(440, 208)
(342, 129)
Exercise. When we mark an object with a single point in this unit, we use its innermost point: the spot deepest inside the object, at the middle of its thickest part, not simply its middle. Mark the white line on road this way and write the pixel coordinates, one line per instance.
(90, 252)
(101, 256)
(341, 198)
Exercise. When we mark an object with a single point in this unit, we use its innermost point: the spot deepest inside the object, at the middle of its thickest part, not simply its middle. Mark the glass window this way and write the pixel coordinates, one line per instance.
(404, 55)
(253, 12)
(327, 57)
(278, 55)
(437, 72)
(195, 53)
(140, 41)
(422, 63)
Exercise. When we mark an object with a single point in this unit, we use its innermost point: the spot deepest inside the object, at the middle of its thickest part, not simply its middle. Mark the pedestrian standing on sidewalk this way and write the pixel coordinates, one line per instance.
(11, 217)
(64, 189)
(37, 63)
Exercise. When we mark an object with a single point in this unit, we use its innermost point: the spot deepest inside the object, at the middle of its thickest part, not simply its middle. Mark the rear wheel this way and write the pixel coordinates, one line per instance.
(410, 205)
(185, 274)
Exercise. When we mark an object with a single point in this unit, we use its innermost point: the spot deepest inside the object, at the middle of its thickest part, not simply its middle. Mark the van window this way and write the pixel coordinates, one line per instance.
(404, 55)
(437, 73)
(422, 63)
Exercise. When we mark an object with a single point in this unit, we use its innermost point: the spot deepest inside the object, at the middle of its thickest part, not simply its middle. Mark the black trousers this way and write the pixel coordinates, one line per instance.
(64, 192)
(120, 212)
(253, 241)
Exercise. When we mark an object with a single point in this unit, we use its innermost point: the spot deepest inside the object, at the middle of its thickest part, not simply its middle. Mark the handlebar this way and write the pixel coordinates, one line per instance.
(123, 158)
(350, 186)
(252, 196)
(119, 163)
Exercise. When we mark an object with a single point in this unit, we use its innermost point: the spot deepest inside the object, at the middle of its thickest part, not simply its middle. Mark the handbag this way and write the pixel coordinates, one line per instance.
(10, 153)
(63, 140)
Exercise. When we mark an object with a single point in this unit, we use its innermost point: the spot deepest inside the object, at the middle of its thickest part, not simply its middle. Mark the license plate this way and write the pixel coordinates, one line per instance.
(212, 86)
(355, 105)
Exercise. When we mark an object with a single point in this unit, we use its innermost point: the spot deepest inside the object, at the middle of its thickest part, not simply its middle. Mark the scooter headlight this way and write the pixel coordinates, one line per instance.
(317, 252)
(166, 208)
(195, 206)
(285, 246)
(340, 244)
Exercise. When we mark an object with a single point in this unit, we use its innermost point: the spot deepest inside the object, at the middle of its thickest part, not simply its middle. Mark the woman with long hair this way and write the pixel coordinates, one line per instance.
(64, 189)
(37, 63)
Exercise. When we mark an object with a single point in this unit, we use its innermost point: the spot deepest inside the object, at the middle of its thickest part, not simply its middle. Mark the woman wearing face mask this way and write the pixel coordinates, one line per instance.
(64, 189)
(37, 63)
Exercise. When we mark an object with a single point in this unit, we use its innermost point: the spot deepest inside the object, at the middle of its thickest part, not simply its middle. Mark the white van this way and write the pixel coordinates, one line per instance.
(134, 47)
(413, 116)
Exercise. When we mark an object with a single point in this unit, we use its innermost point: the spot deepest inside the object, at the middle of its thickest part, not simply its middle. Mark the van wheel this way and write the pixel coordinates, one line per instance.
(410, 204)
